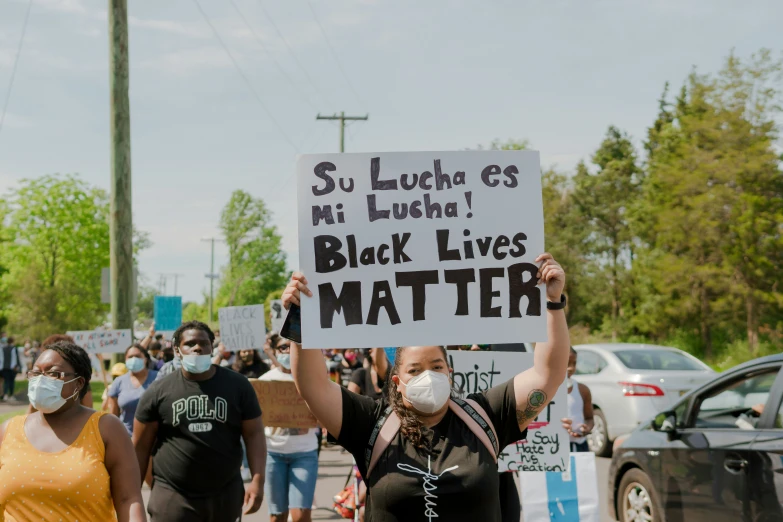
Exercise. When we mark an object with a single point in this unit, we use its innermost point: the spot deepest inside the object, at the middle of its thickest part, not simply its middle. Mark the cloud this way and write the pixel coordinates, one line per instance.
(189, 60)
(171, 27)
(17, 121)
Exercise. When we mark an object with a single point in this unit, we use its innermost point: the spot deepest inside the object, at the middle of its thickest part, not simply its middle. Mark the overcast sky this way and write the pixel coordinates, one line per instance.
(434, 75)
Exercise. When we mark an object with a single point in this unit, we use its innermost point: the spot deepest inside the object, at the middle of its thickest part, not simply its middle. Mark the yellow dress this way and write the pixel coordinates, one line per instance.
(70, 485)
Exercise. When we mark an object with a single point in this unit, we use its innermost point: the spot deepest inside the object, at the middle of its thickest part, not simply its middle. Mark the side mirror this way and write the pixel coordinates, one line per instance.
(665, 422)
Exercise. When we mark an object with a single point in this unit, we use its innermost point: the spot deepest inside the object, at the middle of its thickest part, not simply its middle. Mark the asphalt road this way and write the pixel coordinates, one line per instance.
(334, 467)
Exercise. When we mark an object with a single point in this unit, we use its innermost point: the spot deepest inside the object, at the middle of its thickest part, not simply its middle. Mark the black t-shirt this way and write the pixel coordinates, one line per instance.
(456, 481)
(363, 379)
(346, 372)
(198, 451)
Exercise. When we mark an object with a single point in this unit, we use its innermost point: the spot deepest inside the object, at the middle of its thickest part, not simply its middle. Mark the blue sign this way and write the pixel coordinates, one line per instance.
(563, 496)
(391, 353)
(168, 312)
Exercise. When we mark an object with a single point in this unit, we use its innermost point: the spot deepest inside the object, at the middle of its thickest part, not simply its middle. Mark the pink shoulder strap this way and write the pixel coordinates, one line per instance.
(392, 425)
(473, 425)
(385, 436)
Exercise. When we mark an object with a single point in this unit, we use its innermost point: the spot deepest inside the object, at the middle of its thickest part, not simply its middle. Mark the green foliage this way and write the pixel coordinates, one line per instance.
(60, 232)
(686, 248)
(277, 294)
(257, 264)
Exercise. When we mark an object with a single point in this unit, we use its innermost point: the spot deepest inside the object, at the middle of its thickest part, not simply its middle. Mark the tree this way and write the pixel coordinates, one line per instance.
(604, 201)
(61, 242)
(257, 264)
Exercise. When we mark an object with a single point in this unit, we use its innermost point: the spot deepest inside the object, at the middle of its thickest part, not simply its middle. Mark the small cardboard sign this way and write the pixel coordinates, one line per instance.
(102, 341)
(282, 406)
(242, 327)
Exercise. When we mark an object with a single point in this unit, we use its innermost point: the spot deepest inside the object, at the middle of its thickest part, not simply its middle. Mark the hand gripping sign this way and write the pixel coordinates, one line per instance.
(412, 248)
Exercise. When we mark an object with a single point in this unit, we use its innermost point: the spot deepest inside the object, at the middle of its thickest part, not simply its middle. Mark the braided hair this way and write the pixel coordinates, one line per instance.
(191, 325)
(410, 424)
(76, 357)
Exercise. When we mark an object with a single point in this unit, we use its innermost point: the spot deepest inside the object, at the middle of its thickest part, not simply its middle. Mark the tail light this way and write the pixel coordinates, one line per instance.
(634, 389)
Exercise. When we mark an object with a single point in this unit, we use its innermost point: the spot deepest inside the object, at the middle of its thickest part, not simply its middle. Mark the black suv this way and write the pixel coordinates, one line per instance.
(717, 456)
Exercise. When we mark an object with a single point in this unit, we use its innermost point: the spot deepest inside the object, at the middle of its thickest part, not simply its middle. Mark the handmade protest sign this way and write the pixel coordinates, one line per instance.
(102, 341)
(168, 312)
(242, 327)
(277, 314)
(282, 406)
(547, 445)
(412, 248)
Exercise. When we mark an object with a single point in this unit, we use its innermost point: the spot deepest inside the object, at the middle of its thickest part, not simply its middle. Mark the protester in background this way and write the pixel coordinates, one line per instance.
(79, 463)
(371, 381)
(292, 464)
(269, 348)
(191, 422)
(435, 464)
(349, 364)
(250, 364)
(580, 408)
(118, 370)
(126, 390)
(156, 357)
(59, 338)
(10, 365)
(31, 352)
(145, 343)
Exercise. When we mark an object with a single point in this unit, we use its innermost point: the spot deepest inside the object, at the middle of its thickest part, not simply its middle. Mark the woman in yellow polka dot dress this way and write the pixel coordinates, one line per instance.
(66, 462)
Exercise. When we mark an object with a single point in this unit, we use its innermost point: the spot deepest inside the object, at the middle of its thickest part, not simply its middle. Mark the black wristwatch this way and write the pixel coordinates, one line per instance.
(556, 306)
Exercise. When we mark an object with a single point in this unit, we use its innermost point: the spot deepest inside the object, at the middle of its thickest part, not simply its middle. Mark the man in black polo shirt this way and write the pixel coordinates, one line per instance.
(191, 422)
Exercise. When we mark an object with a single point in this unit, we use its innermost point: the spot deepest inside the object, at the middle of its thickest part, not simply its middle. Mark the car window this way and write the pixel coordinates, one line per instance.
(656, 360)
(589, 363)
(732, 405)
(679, 411)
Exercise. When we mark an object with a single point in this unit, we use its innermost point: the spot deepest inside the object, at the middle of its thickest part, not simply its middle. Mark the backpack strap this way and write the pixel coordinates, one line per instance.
(385, 429)
(468, 410)
(479, 423)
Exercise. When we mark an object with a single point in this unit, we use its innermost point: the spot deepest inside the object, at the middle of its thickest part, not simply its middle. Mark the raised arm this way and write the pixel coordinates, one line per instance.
(535, 388)
(323, 397)
(380, 362)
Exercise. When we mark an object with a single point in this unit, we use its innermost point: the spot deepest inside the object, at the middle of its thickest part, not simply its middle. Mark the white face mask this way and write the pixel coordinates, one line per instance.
(428, 392)
(45, 394)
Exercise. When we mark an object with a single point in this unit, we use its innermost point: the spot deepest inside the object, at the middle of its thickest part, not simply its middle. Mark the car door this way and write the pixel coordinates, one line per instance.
(706, 470)
(766, 468)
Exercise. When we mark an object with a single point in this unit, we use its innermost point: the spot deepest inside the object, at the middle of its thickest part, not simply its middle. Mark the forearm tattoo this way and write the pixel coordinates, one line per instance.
(536, 400)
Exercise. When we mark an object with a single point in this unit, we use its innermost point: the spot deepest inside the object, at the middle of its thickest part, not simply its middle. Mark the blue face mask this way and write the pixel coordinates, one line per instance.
(134, 364)
(45, 394)
(195, 364)
(285, 360)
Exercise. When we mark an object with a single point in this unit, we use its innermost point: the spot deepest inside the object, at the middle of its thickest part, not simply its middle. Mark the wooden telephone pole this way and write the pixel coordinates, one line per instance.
(121, 221)
(343, 118)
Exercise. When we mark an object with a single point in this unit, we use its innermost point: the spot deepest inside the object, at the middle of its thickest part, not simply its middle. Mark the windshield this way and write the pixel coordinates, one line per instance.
(657, 360)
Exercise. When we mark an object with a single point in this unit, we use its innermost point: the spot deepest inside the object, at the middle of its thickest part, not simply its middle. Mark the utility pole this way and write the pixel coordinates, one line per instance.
(343, 118)
(212, 276)
(121, 223)
(164, 281)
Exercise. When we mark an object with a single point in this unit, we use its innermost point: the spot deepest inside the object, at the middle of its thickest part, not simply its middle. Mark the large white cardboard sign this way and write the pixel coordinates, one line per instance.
(412, 248)
(242, 327)
(102, 341)
(547, 444)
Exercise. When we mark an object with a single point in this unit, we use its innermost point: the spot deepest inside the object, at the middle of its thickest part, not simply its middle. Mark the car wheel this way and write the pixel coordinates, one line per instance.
(637, 501)
(598, 441)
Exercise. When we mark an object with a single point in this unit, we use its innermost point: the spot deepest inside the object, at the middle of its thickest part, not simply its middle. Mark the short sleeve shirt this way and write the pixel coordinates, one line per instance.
(128, 396)
(198, 450)
(456, 480)
(364, 380)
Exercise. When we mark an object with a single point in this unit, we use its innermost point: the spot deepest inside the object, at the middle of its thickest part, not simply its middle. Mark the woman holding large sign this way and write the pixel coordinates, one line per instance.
(424, 453)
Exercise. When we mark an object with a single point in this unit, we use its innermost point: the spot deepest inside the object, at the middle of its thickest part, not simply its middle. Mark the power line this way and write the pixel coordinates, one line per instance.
(334, 55)
(16, 63)
(291, 51)
(244, 77)
(271, 57)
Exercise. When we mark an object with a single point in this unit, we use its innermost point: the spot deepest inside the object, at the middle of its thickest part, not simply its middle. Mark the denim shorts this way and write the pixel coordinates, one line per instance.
(290, 480)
